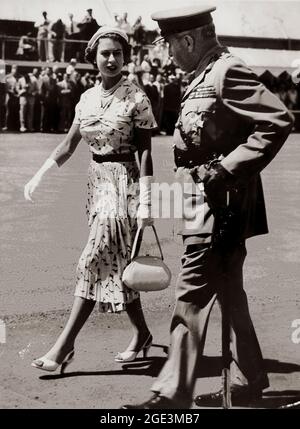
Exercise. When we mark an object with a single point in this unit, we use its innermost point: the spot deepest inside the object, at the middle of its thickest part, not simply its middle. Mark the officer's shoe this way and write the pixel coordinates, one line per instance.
(239, 395)
(157, 402)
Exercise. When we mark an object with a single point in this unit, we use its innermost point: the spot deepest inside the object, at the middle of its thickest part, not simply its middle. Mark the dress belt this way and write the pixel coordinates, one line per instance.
(115, 157)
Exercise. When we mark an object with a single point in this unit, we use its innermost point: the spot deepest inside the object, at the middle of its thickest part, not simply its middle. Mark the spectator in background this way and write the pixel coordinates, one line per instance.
(55, 71)
(65, 102)
(125, 26)
(160, 51)
(37, 105)
(57, 34)
(117, 20)
(42, 37)
(71, 69)
(132, 68)
(155, 66)
(153, 95)
(282, 92)
(72, 32)
(145, 69)
(160, 85)
(169, 68)
(49, 102)
(27, 88)
(172, 97)
(88, 26)
(11, 98)
(146, 64)
(36, 73)
(77, 91)
(292, 98)
(138, 34)
(71, 26)
(2, 93)
(26, 47)
(133, 64)
(86, 81)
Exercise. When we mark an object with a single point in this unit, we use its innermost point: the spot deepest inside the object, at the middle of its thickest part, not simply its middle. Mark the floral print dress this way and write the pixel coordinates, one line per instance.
(107, 119)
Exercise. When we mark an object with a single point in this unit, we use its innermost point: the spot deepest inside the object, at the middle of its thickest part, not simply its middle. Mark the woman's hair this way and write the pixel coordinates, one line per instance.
(90, 54)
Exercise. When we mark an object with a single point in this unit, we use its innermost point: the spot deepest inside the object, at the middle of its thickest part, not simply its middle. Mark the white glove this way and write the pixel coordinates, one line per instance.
(33, 183)
(144, 211)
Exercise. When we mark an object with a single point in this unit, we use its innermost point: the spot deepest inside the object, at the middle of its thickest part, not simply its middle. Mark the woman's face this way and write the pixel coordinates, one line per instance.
(110, 57)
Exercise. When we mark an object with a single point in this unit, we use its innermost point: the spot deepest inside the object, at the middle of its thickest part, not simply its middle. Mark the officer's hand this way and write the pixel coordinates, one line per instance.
(217, 180)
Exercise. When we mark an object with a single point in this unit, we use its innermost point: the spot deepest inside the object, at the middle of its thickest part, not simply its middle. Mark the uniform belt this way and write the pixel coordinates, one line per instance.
(192, 158)
(116, 157)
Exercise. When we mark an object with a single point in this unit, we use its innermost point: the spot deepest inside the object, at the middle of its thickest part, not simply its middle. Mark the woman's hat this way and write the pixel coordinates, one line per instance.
(105, 29)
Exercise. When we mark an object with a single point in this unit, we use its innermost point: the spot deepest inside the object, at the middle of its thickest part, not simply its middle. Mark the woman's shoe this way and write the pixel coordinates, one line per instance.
(50, 365)
(131, 355)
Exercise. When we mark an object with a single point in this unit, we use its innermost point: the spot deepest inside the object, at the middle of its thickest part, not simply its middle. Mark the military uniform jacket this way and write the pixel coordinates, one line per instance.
(227, 112)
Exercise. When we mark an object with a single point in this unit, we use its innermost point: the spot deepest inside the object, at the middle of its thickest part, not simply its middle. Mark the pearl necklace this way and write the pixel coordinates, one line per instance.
(106, 95)
(110, 91)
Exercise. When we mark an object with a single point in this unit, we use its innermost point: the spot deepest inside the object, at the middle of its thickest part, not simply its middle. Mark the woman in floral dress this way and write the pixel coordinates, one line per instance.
(115, 120)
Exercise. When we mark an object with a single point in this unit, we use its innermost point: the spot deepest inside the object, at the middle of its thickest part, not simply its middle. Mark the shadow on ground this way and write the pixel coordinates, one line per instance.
(211, 367)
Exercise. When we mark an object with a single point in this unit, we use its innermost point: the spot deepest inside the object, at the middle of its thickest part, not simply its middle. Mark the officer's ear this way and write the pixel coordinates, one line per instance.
(189, 43)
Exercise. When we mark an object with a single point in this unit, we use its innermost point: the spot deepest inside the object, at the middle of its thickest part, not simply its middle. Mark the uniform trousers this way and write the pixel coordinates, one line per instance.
(204, 275)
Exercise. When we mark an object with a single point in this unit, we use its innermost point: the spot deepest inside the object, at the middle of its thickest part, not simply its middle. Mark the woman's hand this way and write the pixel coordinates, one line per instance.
(144, 216)
(30, 187)
(35, 181)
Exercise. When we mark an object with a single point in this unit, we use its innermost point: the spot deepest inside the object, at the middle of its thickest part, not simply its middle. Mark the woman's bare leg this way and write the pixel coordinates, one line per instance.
(140, 329)
(80, 312)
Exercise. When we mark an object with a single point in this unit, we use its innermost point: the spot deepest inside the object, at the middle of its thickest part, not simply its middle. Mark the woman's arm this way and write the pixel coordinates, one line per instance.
(57, 158)
(143, 142)
(67, 147)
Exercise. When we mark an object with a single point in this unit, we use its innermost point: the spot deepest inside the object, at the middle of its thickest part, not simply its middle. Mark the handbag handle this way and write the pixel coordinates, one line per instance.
(138, 240)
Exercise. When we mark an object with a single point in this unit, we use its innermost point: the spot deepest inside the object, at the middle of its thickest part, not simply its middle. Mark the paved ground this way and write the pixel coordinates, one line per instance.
(40, 246)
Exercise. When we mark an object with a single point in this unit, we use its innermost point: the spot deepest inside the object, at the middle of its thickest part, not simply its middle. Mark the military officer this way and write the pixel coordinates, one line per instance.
(230, 127)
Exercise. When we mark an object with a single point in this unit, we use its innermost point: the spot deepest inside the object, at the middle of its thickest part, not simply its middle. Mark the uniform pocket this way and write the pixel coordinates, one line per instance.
(197, 118)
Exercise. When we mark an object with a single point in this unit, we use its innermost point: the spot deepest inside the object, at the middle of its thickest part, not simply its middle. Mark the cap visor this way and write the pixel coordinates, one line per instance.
(158, 39)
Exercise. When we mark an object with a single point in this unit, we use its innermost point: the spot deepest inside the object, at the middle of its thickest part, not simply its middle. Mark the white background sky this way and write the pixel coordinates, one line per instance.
(233, 17)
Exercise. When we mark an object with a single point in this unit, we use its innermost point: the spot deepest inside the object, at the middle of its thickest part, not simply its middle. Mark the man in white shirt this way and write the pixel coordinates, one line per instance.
(42, 37)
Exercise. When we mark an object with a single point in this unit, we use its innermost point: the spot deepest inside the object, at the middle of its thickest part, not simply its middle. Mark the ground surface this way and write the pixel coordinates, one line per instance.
(40, 246)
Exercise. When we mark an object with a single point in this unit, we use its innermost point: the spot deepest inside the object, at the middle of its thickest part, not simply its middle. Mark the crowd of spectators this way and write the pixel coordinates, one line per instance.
(284, 87)
(60, 41)
(44, 100)
(49, 40)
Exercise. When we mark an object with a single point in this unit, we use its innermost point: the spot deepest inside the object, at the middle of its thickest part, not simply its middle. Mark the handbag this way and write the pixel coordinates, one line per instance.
(146, 273)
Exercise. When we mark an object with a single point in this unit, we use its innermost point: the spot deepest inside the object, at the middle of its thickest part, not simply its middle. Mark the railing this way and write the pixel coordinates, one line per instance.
(52, 49)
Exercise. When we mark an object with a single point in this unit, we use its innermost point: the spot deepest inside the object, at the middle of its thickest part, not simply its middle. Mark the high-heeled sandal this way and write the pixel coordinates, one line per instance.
(131, 355)
(50, 365)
